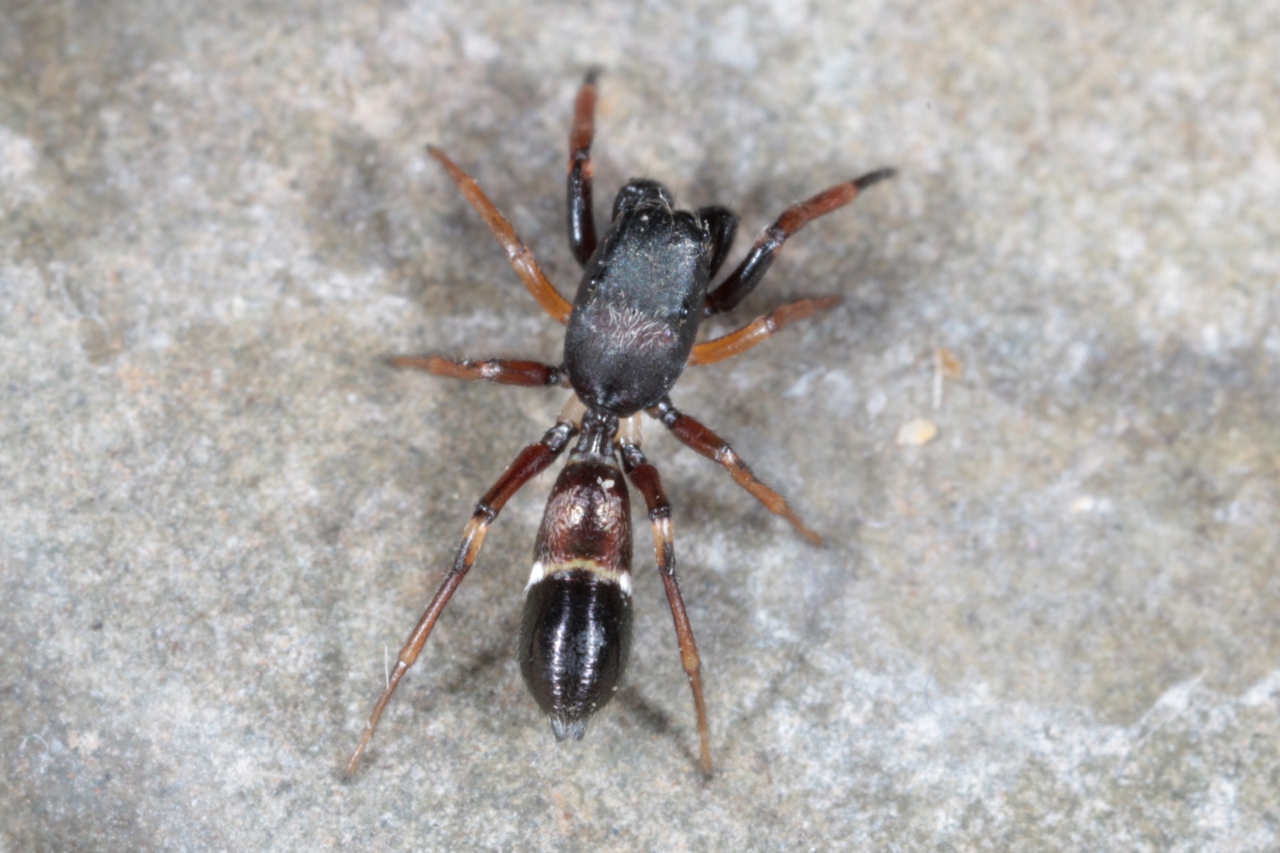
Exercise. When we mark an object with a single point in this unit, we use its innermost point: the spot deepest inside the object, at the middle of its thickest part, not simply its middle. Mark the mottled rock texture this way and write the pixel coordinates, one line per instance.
(1051, 627)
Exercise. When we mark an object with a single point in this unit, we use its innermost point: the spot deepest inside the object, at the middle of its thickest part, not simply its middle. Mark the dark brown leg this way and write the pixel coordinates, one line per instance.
(723, 226)
(582, 225)
(530, 374)
(759, 330)
(645, 478)
(743, 280)
(532, 461)
(518, 254)
(702, 440)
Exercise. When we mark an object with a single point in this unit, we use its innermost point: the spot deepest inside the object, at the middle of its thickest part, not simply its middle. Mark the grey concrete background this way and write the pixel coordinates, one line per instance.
(1052, 628)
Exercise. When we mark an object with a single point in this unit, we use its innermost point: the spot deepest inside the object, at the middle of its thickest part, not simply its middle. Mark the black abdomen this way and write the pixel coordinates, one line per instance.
(574, 640)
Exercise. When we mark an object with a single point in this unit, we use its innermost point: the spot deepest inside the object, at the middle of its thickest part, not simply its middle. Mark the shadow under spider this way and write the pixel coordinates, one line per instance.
(652, 719)
(466, 676)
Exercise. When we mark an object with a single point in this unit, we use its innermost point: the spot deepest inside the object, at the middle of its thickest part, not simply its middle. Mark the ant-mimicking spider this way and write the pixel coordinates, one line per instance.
(630, 333)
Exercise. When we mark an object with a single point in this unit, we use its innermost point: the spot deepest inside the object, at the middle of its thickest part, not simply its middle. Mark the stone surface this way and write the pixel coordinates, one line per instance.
(1052, 627)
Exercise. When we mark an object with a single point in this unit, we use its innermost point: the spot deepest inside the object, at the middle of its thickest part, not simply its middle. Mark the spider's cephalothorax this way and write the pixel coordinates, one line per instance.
(639, 303)
(630, 333)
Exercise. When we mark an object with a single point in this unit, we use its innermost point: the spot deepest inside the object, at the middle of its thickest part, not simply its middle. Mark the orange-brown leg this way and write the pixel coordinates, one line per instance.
(582, 225)
(518, 255)
(644, 477)
(743, 280)
(759, 330)
(530, 374)
(701, 439)
(532, 461)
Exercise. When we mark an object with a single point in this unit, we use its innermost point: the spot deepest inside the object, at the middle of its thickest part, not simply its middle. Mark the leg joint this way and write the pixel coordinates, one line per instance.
(665, 413)
(484, 513)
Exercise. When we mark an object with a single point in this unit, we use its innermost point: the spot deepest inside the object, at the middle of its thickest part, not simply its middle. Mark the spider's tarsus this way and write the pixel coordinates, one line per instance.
(873, 178)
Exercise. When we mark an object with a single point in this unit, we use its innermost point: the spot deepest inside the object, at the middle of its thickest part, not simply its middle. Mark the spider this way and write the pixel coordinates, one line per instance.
(630, 333)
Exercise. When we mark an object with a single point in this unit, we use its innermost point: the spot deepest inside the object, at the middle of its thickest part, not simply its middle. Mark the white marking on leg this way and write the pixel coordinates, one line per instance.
(629, 430)
(572, 412)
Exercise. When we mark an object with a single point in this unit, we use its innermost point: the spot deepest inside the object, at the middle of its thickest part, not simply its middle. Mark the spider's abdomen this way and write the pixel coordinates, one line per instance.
(576, 631)
(574, 642)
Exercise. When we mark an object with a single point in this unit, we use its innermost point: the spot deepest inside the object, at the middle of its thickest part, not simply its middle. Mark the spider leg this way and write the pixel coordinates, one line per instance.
(532, 460)
(518, 254)
(724, 227)
(759, 330)
(743, 280)
(702, 440)
(644, 477)
(530, 374)
(582, 224)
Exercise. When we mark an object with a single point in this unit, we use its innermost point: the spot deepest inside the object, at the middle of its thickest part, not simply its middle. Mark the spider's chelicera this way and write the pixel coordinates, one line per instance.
(630, 333)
